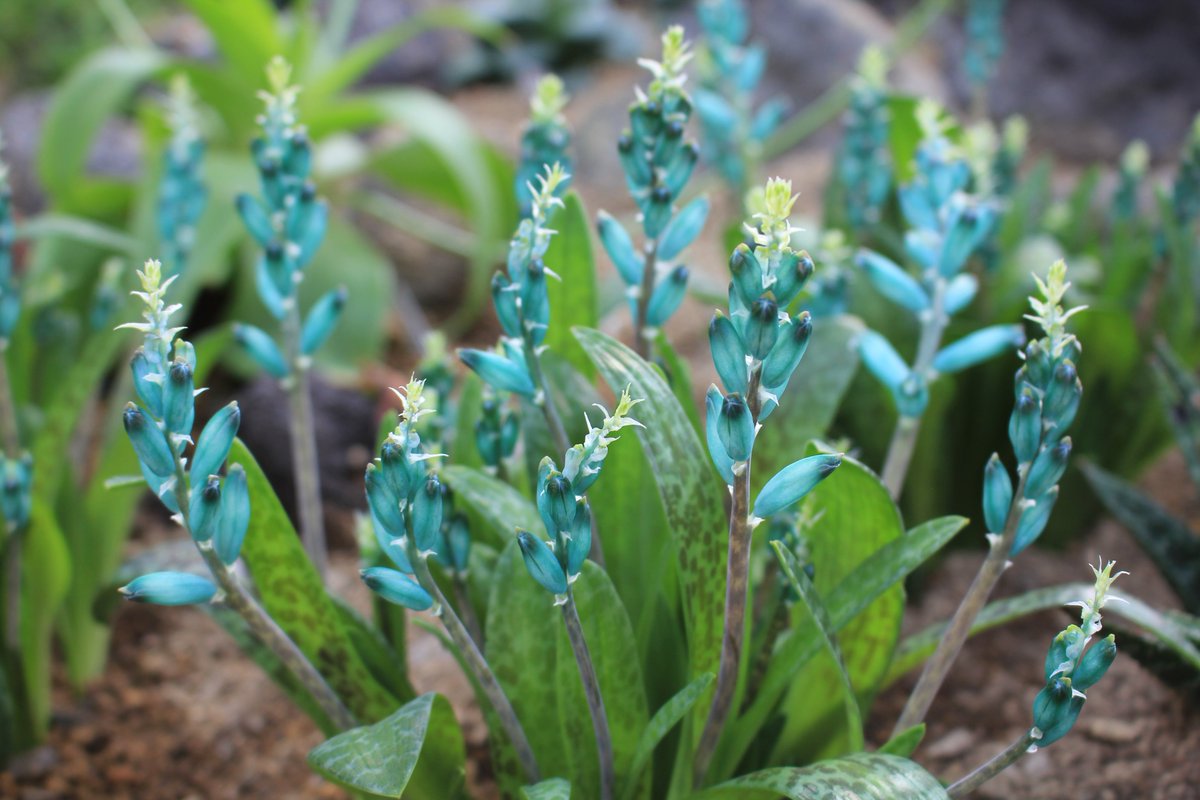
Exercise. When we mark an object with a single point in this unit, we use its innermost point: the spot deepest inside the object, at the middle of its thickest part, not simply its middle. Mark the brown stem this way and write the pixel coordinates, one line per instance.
(591, 688)
(641, 344)
(981, 775)
(302, 428)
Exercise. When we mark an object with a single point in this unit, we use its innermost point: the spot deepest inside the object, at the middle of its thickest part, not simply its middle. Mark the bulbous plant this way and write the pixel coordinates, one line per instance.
(289, 223)
(863, 167)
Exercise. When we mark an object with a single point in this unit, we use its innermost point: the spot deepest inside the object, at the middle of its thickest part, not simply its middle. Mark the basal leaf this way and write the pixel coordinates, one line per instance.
(45, 575)
(417, 752)
(500, 508)
(572, 299)
(666, 718)
(862, 776)
(553, 789)
(245, 32)
(905, 742)
(293, 594)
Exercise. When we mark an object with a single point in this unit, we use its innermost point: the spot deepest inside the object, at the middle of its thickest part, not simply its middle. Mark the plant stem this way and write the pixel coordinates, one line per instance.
(543, 399)
(237, 598)
(641, 344)
(938, 665)
(10, 437)
(591, 688)
(470, 620)
(1003, 760)
(478, 665)
(10, 440)
(904, 438)
(736, 586)
(305, 468)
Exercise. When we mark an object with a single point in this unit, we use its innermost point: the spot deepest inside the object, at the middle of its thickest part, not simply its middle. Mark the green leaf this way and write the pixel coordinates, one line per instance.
(417, 752)
(572, 299)
(294, 596)
(874, 576)
(553, 789)
(691, 491)
(679, 376)
(45, 575)
(857, 519)
(1171, 544)
(245, 32)
(81, 104)
(905, 742)
(812, 398)
(81, 230)
(863, 776)
(803, 586)
(666, 718)
(614, 655)
(385, 665)
(500, 508)
(1163, 627)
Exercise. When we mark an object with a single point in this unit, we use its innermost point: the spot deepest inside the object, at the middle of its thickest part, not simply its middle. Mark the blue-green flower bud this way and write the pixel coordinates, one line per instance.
(1055, 710)
(16, 502)
(785, 356)
(656, 211)
(179, 398)
(912, 396)
(715, 112)
(262, 348)
(185, 352)
(882, 360)
(278, 269)
(235, 516)
(683, 229)
(916, 207)
(680, 169)
(728, 353)
(256, 218)
(923, 246)
(384, 503)
(767, 118)
(504, 298)
(149, 442)
(149, 390)
(580, 542)
(159, 486)
(510, 431)
(997, 494)
(893, 282)
(322, 319)
(397, 471)
(1095, 662)
(396, 587)
(556, 502)
(427, 515)
(667, 146)
(1039, 367)
(1025, 424)
(541, 563)
(747, 274)
(977, 347)
(716, 449)
(169, 589)
(959, 292)
(1048, 467)
(667, 297)
(498, 371)
(1062, 398)
(535, 300)
(1033, 521)
(620, 249)
(736, 427)
(1060, 650)
(312, 230)
(762, 328)
(634, 163)
(204, 508)
(646, 119)
(458, 543)
(794, 270)
(968, 227)
(268, 289)
(793, 482)
(212, 447)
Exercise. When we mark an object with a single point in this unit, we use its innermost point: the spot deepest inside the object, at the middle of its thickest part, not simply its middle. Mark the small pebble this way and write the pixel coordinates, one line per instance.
(1113, 731)
(954, 743)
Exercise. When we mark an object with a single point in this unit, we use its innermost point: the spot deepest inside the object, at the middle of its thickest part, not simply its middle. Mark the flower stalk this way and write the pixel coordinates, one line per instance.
(1025, 743)
(591, 689)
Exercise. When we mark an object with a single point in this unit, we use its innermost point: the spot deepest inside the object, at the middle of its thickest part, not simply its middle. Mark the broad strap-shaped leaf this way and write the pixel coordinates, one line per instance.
(573, 298)
(293, 594)
(692, 494)
(499, 508)
(614, 654)
(45, 569)
(679, 376)
(1170, 542)
(246, 33)
(862, 776)
(1178, 636)
(803, 586)
(666, 718)
(884, 569)
(553, 789)
(905, 742)
(417, 752)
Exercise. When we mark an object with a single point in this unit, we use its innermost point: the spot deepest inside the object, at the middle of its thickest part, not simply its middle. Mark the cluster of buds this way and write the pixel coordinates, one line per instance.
(994, 163)
(10, 296)
(521, 298)
(407, 501)
(985, 39)
(1072, 667)
(657, 162)
(544, 141)
(288, 223)
(1185, 193)
(181, 192)
(863, 168)
(730, 70)
(1130, 173)
(947, 227)
(215, 510)
(757, 347)
(16, 469)
(564, 508)
(496, 432)
(1047, 398)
